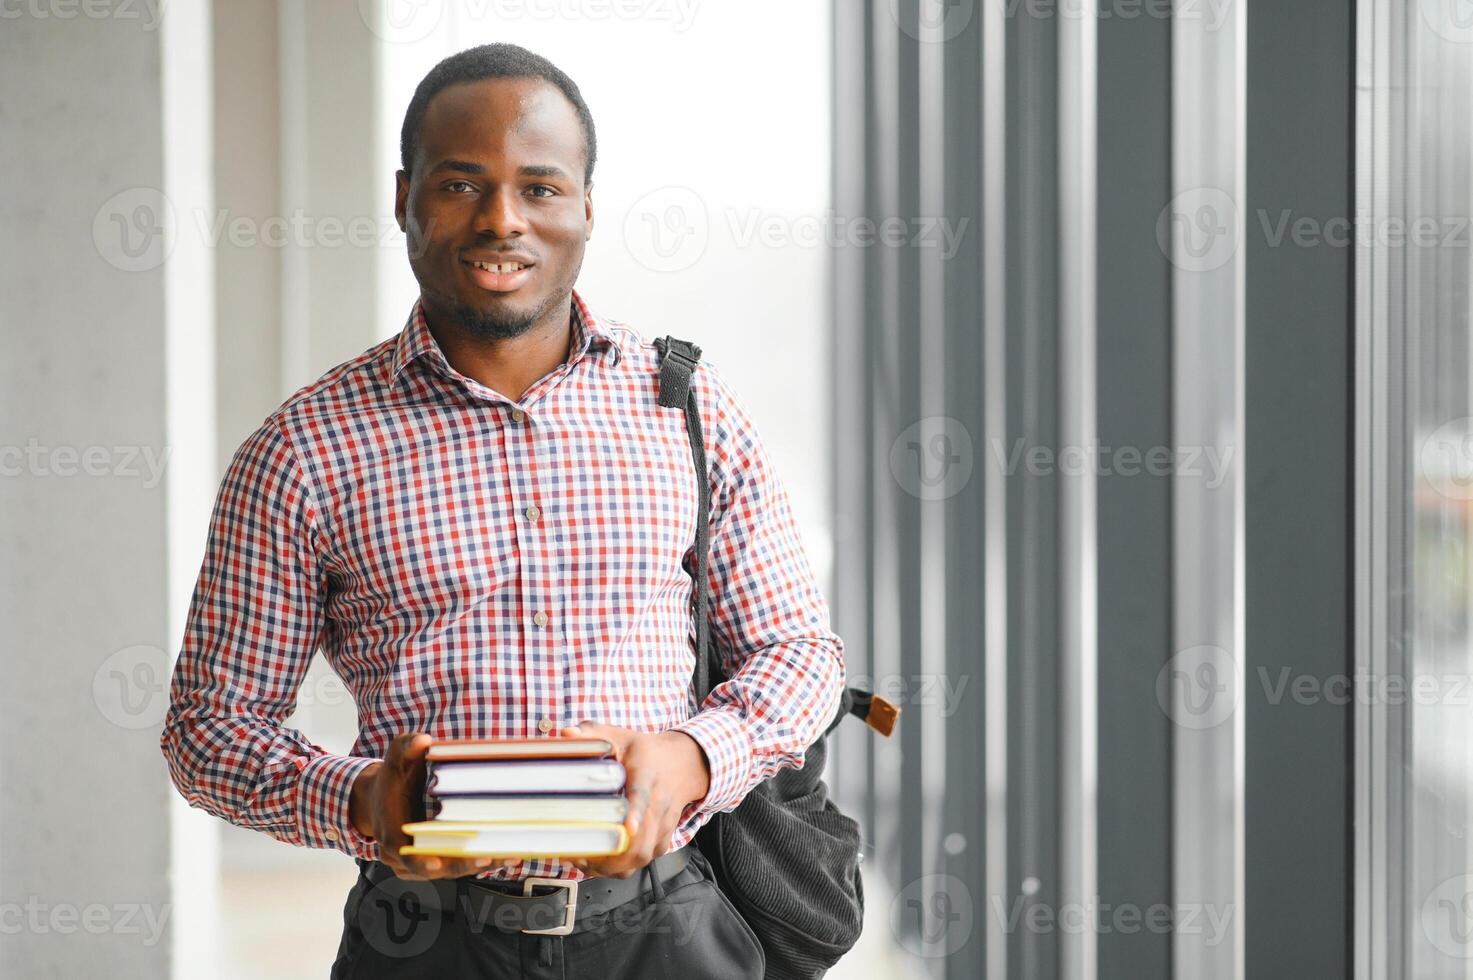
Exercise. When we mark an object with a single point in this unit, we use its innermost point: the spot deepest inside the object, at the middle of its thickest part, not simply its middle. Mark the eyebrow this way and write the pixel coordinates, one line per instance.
(531, 170)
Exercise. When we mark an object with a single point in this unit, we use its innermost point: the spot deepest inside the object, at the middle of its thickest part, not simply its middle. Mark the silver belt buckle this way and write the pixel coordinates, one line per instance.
(569, 914)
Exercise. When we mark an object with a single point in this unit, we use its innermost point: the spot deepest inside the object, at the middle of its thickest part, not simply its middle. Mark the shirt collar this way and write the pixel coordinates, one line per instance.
(415, 340)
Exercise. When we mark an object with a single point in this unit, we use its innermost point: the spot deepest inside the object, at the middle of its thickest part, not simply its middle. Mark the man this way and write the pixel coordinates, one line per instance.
(485, 524)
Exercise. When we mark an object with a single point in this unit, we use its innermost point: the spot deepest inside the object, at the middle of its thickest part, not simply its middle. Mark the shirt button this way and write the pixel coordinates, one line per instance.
(533, 513)
(332, 835)
(540, 619)
(519, 416)
(545, 725)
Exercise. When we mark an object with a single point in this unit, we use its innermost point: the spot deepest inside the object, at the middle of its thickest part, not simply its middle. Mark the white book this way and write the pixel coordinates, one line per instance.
(606, 809)
(552, 776)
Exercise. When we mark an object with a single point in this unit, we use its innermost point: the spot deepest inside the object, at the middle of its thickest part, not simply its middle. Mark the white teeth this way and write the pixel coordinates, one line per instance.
(500, 266)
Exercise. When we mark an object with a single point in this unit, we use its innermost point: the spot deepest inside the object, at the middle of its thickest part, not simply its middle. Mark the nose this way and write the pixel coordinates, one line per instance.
(501, 214)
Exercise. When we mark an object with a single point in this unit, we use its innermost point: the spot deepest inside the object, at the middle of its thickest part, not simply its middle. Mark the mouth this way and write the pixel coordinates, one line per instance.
(501, 276)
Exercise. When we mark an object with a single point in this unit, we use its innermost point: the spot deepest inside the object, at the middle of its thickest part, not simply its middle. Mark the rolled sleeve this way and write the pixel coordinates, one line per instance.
(784, 664)
(722, 735)
(324, 790)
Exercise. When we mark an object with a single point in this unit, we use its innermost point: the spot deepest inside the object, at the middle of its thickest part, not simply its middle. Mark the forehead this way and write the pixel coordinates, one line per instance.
(523, 117)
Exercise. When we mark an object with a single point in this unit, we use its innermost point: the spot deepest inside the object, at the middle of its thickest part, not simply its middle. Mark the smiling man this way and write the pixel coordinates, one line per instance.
(485, 525)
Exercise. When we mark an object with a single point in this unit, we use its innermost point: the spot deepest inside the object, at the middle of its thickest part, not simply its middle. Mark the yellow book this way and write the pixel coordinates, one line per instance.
(539, 839)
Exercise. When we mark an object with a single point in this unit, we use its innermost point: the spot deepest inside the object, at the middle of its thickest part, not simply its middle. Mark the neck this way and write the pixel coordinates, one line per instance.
(510, 365)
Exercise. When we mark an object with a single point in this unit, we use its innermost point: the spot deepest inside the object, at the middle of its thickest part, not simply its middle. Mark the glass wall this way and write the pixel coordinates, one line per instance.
(1415, 650)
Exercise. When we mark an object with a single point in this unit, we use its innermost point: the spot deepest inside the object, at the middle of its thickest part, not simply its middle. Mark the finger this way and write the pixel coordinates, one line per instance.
(407, 749)
(644, 826)
(431, 866)
(615, 736)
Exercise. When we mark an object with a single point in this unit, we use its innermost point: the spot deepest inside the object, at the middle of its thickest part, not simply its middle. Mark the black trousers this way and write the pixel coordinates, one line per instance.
(685, 929)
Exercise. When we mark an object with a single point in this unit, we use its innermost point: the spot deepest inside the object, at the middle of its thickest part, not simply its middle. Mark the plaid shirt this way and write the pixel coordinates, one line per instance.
(474, 567)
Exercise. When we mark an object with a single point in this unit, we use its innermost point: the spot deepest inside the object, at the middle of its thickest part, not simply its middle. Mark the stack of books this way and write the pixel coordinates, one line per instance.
(522, 798)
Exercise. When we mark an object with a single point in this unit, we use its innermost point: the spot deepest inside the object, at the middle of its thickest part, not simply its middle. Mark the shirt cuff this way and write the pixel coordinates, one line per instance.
(324, 790)
(722, 734)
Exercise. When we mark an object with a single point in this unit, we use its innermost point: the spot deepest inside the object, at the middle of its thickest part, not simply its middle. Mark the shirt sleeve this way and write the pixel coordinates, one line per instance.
(784, 663)
(254, 622)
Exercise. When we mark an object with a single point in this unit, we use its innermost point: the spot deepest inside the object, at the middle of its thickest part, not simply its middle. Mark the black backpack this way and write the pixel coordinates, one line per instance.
(787, 857)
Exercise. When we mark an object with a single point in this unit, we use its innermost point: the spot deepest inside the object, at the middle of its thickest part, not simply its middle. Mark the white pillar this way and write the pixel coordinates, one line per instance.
(106, 455)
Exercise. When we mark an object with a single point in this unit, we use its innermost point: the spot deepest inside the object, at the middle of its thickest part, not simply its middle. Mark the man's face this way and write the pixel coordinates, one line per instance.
(496, 211)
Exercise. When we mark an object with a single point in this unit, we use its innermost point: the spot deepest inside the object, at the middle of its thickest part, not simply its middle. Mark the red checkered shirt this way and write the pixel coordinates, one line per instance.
(474, 567)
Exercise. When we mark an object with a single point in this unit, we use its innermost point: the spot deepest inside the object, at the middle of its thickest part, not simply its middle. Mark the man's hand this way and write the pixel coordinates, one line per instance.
(384, 799)
(666, 771)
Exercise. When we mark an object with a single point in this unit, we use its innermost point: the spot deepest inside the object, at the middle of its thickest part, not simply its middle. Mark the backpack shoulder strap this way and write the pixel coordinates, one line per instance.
(678, 359)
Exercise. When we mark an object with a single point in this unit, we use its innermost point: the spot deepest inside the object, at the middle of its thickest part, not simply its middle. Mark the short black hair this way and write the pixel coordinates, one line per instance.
(492, 61)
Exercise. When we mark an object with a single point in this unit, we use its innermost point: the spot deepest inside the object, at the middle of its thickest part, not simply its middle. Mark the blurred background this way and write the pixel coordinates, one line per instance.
(1116, 355)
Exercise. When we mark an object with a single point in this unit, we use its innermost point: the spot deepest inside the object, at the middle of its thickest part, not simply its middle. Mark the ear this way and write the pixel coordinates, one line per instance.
(401, 197)
(588, 211)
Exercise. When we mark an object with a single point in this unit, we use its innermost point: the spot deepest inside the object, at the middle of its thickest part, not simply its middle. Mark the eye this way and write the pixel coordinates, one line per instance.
(459, 186)
(550, 191)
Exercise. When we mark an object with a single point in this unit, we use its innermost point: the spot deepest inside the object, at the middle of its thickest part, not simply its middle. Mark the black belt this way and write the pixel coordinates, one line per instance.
(567, 905)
